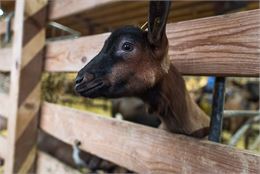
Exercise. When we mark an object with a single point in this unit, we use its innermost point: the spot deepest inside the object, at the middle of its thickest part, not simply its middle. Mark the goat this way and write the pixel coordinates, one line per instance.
(134, 62)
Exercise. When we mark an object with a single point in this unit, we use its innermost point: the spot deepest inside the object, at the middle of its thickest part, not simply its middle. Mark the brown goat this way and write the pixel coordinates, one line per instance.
(134, 62)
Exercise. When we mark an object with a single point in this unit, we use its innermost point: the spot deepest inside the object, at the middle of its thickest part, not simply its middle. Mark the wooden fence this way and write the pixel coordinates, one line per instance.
(225, 45)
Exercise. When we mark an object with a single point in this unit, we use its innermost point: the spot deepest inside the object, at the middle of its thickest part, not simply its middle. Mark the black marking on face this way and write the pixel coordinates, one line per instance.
(118, 66)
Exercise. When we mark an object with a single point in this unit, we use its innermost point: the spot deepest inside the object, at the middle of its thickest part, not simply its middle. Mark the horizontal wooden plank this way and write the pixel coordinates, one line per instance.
(97, 16)
(62, 56)
(174, 15)
(111, 10)
(144, 149)
(225, 45)
(59, 9)
(127, 17)
(4, 105)
(5, 59)
(48, 164)
(3, 147)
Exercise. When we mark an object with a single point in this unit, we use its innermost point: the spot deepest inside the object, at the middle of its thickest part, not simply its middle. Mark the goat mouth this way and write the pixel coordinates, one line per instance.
(86, 89)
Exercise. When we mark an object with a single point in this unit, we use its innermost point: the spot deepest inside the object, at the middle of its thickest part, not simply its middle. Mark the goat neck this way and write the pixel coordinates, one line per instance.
(170, 100)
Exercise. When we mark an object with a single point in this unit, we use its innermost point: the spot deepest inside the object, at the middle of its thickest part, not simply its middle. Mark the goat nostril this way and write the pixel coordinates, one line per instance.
(88, 77)
(79, 79)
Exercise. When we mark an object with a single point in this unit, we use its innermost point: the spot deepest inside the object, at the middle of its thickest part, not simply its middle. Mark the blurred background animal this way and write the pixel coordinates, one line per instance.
(133, 110)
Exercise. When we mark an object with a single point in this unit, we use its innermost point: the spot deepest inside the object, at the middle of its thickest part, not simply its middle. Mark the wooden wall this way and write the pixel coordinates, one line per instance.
(23, 103)
(225, 45)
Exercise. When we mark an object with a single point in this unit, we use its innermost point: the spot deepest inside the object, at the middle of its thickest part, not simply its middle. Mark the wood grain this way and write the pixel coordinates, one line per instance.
(14, 85)
(94, 17)
(141, 15)
(126, 17)
(5, 59)
(62, 8)
(34, 7)
(221, 45)
(144, 149)
(61, 56)
(3, 146)
(25, 114)
(34, 46)
(48, 164)
(226, 45)
(29, 161)
(26, 70)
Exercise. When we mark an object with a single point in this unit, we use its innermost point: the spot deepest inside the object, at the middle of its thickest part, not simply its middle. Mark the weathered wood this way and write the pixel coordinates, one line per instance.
(62, 56)
(3, 146)
(48, 164)
(221, 45)
(80, 25)
(110, 10)
(107, 9)
(140, 9)
(5, 59)
(225, 45)
(90, 18)
(87, 22)
(59, 9)
(26, 68)
(139, 16)
(4, 105)
(144, 149)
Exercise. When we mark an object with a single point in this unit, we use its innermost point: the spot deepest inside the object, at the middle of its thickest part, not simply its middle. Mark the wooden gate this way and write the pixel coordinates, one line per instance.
(226, 45)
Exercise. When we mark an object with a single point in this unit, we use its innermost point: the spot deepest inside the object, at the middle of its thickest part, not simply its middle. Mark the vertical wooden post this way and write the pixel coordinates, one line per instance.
(27, 61)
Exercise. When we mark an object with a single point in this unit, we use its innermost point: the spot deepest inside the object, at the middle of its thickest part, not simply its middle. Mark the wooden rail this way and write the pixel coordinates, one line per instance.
(230, 43)
(107, 16)
(3, 147)
(222, 45)
(144, 149)
(141, 15)
(26, 72)
(59, 9)
(226, 45)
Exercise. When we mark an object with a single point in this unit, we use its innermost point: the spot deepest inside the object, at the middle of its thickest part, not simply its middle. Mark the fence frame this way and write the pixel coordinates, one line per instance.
(22, 120)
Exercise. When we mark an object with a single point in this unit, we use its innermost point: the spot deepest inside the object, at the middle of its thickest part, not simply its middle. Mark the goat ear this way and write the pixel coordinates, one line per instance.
(158, 13)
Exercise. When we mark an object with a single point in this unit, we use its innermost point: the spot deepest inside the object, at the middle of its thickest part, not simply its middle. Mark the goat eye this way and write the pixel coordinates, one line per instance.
(127, 46)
